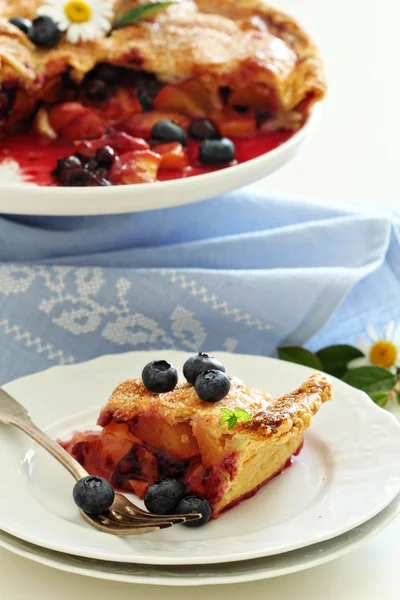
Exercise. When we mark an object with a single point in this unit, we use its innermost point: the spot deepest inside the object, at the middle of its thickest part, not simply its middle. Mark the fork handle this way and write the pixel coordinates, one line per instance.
(57, 451)
(13, 413)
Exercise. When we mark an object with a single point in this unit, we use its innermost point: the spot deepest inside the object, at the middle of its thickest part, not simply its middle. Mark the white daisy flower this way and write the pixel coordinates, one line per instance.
(82, 20)
(381, 348)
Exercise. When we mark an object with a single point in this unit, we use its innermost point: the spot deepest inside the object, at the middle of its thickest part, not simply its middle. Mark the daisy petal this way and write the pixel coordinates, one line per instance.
(396, 337)
(370, 329)
(73, 34)
(104, 24)
(389, 331)
(363, 344)
(358, 362)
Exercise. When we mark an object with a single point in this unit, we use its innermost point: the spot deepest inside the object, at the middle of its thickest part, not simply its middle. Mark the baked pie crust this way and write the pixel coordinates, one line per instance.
(257, 51)
(146, 437)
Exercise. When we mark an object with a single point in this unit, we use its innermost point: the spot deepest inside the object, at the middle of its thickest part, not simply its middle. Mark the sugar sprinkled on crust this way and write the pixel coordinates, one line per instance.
(272, 419)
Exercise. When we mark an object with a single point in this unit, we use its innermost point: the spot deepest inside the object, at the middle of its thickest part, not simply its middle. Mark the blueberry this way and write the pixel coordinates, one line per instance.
(217, 152)
(198, 364)
(212, 386)
(44, 32)
(194, 504)
(159, 376)
(93, 494)
(76, 178)
(92, 165)
(163, 497)
(147, 88)
(66, 164)
(105, 156)
(97, 91)
(108, 73)
(23, 24)
(168, 131)
(202, 129)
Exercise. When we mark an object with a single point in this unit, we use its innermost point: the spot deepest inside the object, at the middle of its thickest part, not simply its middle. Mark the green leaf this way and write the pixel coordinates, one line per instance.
(138, 13)
(380, 398)
(336, 358)
(227, 415)
(371, 379)
(232, 417)
(242, 415)
(226, 411)
(398, 397)
(232, 422)
(300, 356)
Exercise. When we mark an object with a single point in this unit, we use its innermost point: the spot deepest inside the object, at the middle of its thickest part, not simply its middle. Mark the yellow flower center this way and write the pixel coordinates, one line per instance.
(383, 354)
(78, 11)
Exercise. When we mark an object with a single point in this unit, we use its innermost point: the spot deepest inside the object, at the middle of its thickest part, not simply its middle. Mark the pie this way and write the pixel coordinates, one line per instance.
(146, 437)
(246, 68)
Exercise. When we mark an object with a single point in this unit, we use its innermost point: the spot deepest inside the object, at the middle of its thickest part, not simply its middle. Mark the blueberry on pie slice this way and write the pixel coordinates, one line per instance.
(223, 450)
(194, 87)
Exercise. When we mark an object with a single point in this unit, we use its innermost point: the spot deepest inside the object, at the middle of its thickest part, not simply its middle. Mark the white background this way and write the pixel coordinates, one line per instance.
(353, 157)
(355, 154)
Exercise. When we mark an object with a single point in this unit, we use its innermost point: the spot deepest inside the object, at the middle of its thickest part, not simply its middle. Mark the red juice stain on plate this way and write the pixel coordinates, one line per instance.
(38, 157)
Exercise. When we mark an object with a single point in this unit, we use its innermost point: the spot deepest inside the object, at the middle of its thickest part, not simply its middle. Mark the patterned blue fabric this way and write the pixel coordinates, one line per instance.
(243, 273)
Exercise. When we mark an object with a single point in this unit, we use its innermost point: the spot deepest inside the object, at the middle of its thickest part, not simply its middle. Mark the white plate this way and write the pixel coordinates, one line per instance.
(223, 573)
(33, 200)
(348, 471)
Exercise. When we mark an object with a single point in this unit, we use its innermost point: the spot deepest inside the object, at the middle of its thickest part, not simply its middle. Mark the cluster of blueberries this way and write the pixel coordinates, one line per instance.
(214, 149)
(80, 171)
(206, 373)
(94, 494)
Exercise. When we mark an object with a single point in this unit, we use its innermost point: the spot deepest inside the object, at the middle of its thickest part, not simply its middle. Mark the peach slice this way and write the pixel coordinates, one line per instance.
(121, 105)
(171, 98)
(173, 155)
(212, 449)
(253, 97)
(233, 124)
(176, 440)
(76, 122)
(62, 114)
(140, 166)
(85, 127)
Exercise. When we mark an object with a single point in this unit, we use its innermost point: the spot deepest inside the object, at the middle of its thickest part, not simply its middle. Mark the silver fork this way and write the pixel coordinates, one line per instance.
(123, 517)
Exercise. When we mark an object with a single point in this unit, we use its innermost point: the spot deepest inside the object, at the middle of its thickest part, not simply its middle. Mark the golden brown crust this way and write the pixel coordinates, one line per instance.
(273, 421)
(247, 46)
(16, 59)
(292, 413)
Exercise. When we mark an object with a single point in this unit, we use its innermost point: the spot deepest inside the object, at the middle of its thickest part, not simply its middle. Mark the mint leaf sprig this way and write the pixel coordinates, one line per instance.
(232, 417)
(139, 13)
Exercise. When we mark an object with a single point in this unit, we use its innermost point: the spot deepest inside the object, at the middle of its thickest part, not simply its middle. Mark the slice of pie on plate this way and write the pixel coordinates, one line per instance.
(146, 437)
(246, 67)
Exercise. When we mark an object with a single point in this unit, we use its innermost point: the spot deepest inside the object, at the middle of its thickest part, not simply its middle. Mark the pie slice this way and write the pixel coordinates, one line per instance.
(245, 66)
(146, 437)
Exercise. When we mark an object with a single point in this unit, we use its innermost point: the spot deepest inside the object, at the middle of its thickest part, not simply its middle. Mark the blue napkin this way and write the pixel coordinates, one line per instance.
(242, 273)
